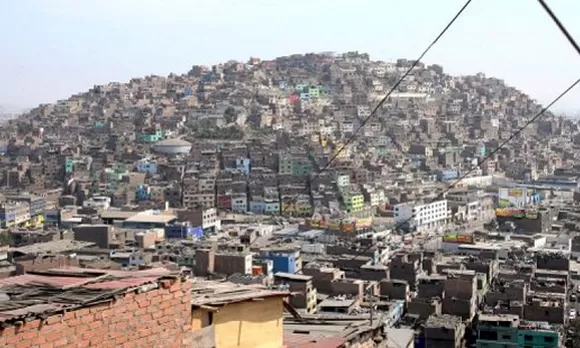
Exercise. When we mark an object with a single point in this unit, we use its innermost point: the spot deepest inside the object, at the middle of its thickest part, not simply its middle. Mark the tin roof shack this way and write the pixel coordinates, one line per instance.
(231, 315)
(74, 307)
(21, 237)
(444, 331)
(336, 331)
(56, 247)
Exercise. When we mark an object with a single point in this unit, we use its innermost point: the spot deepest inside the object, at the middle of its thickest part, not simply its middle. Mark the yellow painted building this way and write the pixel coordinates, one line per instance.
(340, 152)
(238, 317)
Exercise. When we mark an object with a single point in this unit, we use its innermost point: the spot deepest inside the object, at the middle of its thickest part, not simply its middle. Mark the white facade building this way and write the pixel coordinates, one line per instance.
(422, 216)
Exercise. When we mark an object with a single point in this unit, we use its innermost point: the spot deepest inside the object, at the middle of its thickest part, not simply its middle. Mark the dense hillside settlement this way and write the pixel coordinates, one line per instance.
(205, 209)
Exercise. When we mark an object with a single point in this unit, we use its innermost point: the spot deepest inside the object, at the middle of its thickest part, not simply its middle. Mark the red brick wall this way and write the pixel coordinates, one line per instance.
(158, 318)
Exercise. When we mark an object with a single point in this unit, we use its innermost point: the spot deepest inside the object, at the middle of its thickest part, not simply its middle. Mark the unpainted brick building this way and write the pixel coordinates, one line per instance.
(132, 312)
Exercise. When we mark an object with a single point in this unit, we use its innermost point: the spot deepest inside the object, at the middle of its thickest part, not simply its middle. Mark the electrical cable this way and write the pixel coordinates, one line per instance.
(560, 25)
(379, 105)
(512, 136)
(393, 88)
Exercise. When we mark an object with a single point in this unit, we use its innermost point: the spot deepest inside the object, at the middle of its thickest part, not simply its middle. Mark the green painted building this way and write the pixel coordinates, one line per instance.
(149, 137)
(508, 331)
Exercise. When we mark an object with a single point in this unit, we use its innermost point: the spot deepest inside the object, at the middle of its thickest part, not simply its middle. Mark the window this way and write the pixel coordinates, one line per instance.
(528, 338)
(548, 339)
(488, 335)
(506, 337)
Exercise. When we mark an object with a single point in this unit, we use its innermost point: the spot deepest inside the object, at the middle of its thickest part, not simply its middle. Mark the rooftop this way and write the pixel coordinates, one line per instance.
(116, 214)
(324, 331)
(144, 217)
(33, 296)
(54, 247)
(219, 293)
(173, 142)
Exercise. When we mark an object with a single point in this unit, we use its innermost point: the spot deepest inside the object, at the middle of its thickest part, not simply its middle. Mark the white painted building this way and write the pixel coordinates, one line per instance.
(422, 216)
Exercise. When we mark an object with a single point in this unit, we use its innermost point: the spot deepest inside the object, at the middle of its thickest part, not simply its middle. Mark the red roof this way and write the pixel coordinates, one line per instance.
(31, 295)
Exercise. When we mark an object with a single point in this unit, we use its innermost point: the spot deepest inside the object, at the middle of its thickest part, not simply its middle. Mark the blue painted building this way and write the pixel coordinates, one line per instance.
(282, 261)
(448, 174)
(272, 207)
(258, 206)
(183, 231)
(142, 192)
(243, 165)
(147, 166)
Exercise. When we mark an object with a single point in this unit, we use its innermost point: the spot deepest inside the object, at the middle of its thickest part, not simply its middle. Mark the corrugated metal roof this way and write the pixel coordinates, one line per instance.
(32, 295)
(122, 283)
(56, 281)
(218, 293)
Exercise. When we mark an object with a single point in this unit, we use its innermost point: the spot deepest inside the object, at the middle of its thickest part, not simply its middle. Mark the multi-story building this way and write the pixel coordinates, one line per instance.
(239, 202)
(353, 201)
(303, 205)
(507, 330)
(150, 136)
(14, 214)
(302, 285)
(342, 180)
(36, 205)
(288, 205)
(286, 261)
(243, 165)
(421, 216)
(257, 204)
(147, 166)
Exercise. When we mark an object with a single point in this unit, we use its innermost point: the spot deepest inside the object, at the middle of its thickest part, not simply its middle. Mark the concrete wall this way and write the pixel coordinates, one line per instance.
(43, 264)
(102, 235)
(553, 315)
(250, 324)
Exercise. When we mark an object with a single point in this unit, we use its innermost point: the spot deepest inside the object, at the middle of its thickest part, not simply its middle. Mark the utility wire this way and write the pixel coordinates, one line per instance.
(560, 25)
(386, 97)
(512, 136)
(379, 105)
(490, 155)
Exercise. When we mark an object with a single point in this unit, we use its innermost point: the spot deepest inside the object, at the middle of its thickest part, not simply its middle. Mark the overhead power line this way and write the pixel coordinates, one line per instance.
(386, 97)
(379, 105)
(490, 155)
(512, 136)
(560, 25)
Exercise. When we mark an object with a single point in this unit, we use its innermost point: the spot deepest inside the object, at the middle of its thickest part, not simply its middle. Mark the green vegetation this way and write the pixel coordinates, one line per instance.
(226, 133)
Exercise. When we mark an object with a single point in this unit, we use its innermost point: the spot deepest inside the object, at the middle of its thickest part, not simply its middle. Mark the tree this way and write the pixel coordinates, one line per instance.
(230, 114)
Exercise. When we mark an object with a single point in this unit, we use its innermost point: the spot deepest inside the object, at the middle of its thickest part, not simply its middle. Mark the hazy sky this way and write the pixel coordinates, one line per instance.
(52, 49)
